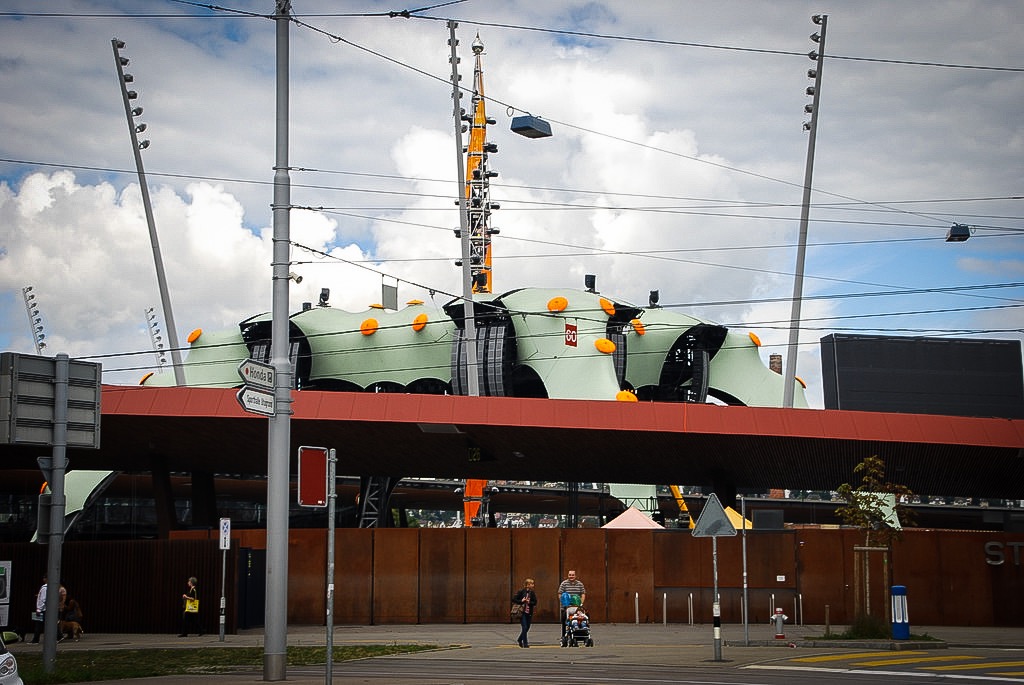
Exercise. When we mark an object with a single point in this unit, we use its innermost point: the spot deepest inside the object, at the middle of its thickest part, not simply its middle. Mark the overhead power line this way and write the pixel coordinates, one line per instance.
(713, 46)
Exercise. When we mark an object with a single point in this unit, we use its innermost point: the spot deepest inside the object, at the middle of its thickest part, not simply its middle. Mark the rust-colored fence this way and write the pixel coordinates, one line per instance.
(469, 575)
(129, 586)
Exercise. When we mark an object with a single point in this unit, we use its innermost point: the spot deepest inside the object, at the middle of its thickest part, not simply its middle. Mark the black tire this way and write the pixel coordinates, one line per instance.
(590, 643)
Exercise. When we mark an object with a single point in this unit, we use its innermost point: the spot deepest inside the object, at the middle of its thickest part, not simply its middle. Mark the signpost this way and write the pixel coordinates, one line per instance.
(317, 467)
(257, 397)
(257, 374)
(256, 401)
(5, 592)
(712, 522)
(52, 401)
(28, 401)
(314, 481)
(225, 545)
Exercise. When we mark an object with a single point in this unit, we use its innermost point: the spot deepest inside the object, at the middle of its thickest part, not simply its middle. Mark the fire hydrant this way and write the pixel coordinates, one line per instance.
(779, 619)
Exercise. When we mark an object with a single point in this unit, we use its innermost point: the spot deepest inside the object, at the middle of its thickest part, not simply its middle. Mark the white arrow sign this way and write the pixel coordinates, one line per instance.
(256, 401)
(257, 374)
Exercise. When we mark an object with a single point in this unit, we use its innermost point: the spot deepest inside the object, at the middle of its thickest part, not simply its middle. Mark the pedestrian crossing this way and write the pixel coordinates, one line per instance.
(941, 664)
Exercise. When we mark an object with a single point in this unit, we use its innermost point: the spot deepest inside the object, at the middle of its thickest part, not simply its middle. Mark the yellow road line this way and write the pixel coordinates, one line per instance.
(913, 660)
(964, 667)
(848, 655)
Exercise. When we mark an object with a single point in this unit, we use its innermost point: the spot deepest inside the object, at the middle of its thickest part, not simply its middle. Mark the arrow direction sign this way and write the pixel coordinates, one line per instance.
(257, 374)
(256, 401)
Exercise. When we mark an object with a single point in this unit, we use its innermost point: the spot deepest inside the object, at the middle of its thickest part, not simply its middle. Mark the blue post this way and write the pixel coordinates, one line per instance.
(900, 619)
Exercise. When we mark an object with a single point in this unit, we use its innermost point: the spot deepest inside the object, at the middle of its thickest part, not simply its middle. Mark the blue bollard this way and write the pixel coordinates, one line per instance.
(900, 618)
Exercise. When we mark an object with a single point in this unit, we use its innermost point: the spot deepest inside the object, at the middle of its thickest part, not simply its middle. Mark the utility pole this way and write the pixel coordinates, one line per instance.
(469, 331)
(275, 641)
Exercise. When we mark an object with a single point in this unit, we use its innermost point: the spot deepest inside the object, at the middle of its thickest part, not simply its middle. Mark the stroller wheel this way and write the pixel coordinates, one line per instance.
(590, 643)
(565, 641)
(572, 642)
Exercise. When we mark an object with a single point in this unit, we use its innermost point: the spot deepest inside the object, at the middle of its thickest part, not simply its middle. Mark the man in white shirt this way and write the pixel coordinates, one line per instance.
(37, 618)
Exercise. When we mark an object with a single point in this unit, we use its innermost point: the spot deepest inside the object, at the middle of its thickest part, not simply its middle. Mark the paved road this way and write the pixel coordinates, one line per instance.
(624, 653)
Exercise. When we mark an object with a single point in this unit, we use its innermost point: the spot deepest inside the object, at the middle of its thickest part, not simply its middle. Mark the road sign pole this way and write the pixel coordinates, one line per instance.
(716, 606)
(331, 497)
(746, 610)
(225, 545)
(712, 522)
(275, 642)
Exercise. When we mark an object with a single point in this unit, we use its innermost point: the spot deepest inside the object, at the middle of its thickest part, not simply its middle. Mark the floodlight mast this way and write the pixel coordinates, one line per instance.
(137, 148)
(818, 55)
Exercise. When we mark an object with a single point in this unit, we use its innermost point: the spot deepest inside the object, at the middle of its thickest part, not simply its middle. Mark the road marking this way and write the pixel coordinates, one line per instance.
(996, 678)
(914, 660)
(846, 656)
(964, 667)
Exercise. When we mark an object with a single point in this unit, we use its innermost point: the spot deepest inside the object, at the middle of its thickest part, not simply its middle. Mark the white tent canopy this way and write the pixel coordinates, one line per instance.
(632, 518)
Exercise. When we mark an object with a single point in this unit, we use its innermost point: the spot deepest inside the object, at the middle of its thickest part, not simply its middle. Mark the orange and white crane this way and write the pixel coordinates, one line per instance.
(478, 210)
(478, 177)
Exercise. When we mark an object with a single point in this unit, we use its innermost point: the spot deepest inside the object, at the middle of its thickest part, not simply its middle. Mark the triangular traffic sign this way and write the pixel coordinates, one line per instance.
(713, 521)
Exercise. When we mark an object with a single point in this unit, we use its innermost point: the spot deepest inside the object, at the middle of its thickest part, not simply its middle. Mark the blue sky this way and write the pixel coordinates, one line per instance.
(676, 164)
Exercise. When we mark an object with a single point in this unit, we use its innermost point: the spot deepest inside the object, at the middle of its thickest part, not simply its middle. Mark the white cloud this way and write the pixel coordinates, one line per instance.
(709, 182)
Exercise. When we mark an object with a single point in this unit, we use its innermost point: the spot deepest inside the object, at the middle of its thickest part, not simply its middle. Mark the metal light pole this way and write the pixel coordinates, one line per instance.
(275, 642)
(332, 500)
(472, 383)
(798, 280)
(137, 147)
(746, 599)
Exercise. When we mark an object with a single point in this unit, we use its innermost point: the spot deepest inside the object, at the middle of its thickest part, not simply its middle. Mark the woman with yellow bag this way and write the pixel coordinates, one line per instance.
(190, 615)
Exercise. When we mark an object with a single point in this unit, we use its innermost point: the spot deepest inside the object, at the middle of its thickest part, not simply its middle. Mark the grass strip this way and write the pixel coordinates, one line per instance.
(117, 664)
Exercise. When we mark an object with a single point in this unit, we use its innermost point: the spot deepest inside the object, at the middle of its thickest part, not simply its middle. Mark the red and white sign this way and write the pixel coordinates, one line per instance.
(570, 334)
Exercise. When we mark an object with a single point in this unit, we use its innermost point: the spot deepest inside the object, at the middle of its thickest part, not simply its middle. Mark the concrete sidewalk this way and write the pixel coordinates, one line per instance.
(617, 645)
(542, 634)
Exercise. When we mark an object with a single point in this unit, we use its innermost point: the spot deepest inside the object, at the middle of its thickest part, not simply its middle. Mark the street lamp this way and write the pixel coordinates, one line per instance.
(818, 55)
(958, 233)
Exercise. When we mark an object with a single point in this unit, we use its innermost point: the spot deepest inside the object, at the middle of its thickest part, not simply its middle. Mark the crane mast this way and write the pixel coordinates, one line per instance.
(478, 177)
(478, 210)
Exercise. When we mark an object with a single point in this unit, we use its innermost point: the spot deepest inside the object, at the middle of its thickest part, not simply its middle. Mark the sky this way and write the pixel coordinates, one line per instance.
(677, 163)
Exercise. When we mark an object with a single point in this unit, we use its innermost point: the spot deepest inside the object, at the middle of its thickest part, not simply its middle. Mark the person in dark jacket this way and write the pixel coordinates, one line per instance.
(528, 599)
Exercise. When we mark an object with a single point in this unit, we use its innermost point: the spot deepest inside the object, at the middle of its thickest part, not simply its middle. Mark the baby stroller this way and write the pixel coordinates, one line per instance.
(577, 627)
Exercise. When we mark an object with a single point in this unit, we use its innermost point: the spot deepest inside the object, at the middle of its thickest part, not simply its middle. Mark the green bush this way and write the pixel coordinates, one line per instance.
(866, 627)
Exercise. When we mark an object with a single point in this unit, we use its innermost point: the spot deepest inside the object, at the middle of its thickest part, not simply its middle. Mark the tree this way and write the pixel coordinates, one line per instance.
(877, 507)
